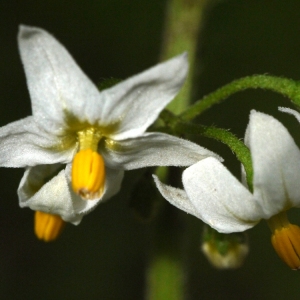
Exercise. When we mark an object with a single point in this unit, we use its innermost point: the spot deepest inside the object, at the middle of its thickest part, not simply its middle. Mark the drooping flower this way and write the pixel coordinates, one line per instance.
(215, 196)
(94, 135)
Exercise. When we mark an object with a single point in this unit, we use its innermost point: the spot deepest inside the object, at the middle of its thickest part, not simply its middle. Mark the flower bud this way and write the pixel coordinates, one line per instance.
(224, 251)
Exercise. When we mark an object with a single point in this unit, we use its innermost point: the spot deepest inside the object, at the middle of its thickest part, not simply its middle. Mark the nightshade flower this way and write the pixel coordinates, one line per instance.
(94, 135)
(215, 196)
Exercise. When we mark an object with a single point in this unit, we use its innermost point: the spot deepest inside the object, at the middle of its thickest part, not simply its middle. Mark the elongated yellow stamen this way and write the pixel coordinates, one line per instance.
(286, 240)
(88, 169)
(88, 174)
(47, 227)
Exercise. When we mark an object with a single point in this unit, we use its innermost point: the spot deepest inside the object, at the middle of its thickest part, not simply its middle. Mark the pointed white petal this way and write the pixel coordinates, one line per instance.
(220, 199)
(136, 102)
(23, 143)
(154, 149)
(112, 186)
(52, 197)
(56, 84)
(56, 196)
(291, 112)
(276, 164)
(176, 197)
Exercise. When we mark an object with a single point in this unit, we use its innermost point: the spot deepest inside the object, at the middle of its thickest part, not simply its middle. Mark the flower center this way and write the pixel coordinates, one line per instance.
(88, 168)
(286, 240)
(47, 227)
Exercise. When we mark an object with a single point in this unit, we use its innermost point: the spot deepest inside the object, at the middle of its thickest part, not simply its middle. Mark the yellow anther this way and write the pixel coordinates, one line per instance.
(88, 174)
(47, 227)
(286, 240)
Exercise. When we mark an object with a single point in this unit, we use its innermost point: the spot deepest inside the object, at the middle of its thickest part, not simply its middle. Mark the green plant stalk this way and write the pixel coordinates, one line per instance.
(182, 27)
(166, 278)
(183, 24)
(166, 268)
(284, 86)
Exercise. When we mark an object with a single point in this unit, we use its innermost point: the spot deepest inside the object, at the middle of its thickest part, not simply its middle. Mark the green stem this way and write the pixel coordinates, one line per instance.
(183, 24)
(166, 279)
(165, 275)
(174, 124)
(241, 151)
(165, 272)
(287, 87)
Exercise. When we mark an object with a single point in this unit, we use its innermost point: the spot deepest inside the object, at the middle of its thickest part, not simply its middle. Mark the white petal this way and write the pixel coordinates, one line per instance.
(112, 186)
(56, 84)
(154, 149)
(220, 199)
(176, 197)
(291, 112)
(136, 102)
(23, 143)
(113, 183)
(56, 196)
(276, 164)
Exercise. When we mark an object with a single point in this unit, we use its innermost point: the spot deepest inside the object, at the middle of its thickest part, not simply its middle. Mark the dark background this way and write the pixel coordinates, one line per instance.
(106, 256)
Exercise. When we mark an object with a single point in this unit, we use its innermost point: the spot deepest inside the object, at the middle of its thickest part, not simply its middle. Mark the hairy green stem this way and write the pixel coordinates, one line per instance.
(174, 124)
(241, 151)
(284, 86)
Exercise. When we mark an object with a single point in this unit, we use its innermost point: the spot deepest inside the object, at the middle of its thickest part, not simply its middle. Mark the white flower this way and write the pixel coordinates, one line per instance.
(215, 196)
(107, 129)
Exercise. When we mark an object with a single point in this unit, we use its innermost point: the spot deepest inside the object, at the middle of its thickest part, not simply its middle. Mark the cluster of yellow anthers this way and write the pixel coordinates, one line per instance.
(88, 169)
(88, 179)
(286, 240)
(47, 227)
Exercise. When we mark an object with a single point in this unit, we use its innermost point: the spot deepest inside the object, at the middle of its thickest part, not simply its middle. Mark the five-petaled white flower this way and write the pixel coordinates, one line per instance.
(94, 135)
(215, 196)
